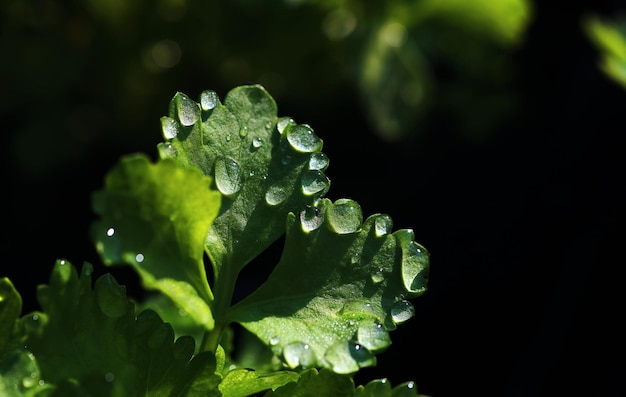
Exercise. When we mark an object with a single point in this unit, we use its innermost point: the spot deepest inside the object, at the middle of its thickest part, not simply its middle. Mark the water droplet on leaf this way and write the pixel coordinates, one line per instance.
(298, 354)
(275, 195)
(243, 131)
(302, 138)
(345, 216)
(348, 357)
(109, 377)
(208, 99)
(283, 123)
(382, 225)
(188, 110)
(227, 176)
(402, 311)
(318, 161)
(166, 150)
(373, 335)
(311, 218)
(257, 143)
(170, 127)
(314, 182)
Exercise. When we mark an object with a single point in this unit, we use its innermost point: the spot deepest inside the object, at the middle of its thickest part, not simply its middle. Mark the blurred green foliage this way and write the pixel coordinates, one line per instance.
(85, 76)
(609, 37)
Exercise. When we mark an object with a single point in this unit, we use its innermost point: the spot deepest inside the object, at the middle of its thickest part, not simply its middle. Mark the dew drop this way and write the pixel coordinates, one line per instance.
(311, 218)
(314, 182)
(170, 127)
(415, 263)
(302, 138)
(227, 176)
(348, 357)
(109, 377)
(274, 340)
(243, 131)
(257, 143)
(139, 258)
(188, 110)
(345, 216)
(283, 123)
(361, 355)
(373, 336)
(275, 195)
(298, 354)
(402, 311)
(318, 161)
(208, 99)
(268, 125)
(166, 150)
(382, 225)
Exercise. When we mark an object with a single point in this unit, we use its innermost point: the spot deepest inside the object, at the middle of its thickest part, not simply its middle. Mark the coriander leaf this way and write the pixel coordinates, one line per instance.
(244, 382)
(10, 310)
(155, 217)
(264, 166)
(340, 286)
(89, 342)
(314, 383)
(609, 39)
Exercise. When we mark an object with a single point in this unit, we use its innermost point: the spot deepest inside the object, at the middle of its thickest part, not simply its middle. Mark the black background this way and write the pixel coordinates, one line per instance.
(525, 296)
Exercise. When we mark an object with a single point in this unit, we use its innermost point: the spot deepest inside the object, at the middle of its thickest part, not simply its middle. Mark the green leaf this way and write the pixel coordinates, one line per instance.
(10, 310)
(314, 383)
(339, 288)
(264, 166)
(609, 37)
(244, 382)
(88, 341)
(155, 217)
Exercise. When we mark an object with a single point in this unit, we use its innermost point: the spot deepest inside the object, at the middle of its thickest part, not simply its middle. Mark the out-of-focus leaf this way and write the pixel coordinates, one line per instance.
(90, 342)
(10, 310)
(609, 37)
(395, 80)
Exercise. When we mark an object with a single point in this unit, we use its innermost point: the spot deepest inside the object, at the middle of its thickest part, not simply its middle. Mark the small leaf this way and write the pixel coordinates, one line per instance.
(10, 310)
(609, 37)
(155, 217)
(314, 383)
(244, 382)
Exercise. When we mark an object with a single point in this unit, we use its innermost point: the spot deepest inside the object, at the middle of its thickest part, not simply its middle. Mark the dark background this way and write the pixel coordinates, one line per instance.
(520, 205)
